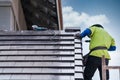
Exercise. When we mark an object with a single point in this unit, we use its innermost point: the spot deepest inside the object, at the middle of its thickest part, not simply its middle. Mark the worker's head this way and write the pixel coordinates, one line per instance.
(97, 25)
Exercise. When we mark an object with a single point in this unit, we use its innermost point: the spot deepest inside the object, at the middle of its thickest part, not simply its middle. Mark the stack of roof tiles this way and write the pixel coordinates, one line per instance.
(40, 55)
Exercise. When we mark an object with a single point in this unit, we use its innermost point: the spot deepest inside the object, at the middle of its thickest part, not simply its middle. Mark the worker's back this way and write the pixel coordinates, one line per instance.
(99, 37)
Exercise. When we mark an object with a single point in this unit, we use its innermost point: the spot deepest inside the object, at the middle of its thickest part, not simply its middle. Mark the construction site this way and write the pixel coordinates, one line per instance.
(49, 53)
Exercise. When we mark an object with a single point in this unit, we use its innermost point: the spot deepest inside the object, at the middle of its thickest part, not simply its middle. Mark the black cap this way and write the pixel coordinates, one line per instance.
(97, 25)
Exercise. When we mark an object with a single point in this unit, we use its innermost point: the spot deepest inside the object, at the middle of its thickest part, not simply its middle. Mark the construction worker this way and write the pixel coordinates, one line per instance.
(101, 42)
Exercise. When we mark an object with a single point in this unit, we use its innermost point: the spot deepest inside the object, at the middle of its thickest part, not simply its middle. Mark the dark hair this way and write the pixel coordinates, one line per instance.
(97, 25)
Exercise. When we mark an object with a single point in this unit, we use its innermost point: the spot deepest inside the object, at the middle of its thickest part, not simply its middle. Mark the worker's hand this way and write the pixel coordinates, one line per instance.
(77, 36)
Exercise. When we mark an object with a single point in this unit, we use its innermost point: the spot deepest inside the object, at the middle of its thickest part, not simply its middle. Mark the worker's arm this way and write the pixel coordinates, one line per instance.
(112, 48)
(86, 32)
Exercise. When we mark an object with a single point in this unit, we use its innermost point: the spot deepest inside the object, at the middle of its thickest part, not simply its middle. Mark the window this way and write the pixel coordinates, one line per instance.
(6, 15)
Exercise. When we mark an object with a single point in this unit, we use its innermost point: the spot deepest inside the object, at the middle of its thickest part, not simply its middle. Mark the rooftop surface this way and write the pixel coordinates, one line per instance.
(40, 55)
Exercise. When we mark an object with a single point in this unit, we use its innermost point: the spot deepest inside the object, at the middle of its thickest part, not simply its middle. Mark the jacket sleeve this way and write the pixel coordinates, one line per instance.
(112, 47)
(86, 32)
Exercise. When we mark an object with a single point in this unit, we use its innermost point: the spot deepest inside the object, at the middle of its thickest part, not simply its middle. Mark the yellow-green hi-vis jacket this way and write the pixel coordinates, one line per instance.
(99, 37)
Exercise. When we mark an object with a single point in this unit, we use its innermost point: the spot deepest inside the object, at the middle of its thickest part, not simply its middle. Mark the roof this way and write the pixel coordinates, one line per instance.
(40, 55)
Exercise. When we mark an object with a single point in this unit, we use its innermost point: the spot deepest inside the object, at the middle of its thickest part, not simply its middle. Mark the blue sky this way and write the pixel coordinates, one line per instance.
(83, 13)
(110, 8)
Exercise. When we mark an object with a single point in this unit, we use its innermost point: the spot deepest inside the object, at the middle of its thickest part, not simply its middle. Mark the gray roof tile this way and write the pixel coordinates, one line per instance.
(49, 59)
(5, 77)
(20, 77)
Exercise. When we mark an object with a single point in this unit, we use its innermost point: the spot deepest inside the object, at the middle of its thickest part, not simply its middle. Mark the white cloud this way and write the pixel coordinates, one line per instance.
(73, 18)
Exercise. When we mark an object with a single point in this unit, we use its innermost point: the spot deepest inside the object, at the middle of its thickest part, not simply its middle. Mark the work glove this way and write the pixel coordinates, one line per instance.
(77, 36)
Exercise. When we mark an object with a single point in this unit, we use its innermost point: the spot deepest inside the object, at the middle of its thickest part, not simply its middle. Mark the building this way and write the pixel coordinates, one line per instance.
(22, 14)
(26, 54)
